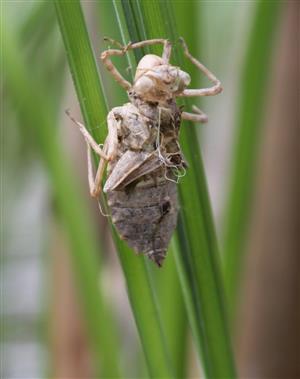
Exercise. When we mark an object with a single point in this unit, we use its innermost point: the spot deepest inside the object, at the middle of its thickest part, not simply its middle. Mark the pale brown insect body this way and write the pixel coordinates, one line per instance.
(142, 149)
(144, 206)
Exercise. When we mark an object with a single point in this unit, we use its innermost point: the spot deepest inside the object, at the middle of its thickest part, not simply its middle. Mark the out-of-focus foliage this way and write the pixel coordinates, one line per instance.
(249, 122)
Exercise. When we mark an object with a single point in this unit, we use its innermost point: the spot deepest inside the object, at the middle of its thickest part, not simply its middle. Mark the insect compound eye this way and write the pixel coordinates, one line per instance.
(185, 78)
(143, 85)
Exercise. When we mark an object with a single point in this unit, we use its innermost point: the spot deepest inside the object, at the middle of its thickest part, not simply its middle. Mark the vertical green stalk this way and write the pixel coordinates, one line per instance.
(198, 255)
(94, 109)
(82, 65)
(198, 258)
(252, 99)
(173, 312)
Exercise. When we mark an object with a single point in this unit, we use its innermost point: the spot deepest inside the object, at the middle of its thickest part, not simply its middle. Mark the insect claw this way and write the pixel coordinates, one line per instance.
(184, 45)
(198, 111)
(158, 260)
(125, 48)
(68, 113)
(113, 42)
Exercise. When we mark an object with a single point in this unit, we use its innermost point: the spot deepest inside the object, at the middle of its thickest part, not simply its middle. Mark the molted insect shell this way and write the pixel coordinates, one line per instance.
(141, 186)
(142, 150)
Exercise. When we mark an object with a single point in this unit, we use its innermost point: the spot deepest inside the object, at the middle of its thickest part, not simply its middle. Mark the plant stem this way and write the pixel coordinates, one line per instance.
(198, 256)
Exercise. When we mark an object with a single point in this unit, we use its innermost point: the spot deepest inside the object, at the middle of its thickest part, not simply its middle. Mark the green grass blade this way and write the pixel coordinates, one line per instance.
(94, 109)
(173, 312)
(198, 253)
(146, 313)
(82, 65)
(253, 89)
(35, 116)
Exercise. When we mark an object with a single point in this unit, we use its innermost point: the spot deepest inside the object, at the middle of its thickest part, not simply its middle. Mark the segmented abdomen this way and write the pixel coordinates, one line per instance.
(145, 216)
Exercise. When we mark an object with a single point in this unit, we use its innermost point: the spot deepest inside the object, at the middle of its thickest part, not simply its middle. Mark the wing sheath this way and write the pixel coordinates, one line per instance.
(131, 166)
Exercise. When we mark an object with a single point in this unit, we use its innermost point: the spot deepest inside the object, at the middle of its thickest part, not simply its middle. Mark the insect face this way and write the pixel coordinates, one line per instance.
(156, 80)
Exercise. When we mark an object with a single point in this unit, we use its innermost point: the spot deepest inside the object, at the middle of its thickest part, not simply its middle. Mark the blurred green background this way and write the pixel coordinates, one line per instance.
(64, 305)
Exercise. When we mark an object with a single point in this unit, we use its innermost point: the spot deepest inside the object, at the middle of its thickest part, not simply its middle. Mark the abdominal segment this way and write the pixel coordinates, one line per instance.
(145, 216)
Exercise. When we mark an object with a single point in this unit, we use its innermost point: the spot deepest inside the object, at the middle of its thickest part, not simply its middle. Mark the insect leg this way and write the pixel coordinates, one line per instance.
(136, 45)
(214, 90)
(105, 57)
(198, 116)
(110, 148)
(167, 46)
(88, 138)
(95, 183)
(112, 138)
(167, 51)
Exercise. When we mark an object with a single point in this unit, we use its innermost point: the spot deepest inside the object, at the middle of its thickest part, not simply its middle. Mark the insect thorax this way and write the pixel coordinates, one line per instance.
(149, 127)
(163, 118)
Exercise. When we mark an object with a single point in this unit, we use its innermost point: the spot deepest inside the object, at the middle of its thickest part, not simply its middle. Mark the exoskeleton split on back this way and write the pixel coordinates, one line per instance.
(142, 149)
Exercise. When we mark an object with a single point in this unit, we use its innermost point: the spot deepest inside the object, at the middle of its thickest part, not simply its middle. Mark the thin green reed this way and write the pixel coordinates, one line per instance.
(198, 255)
